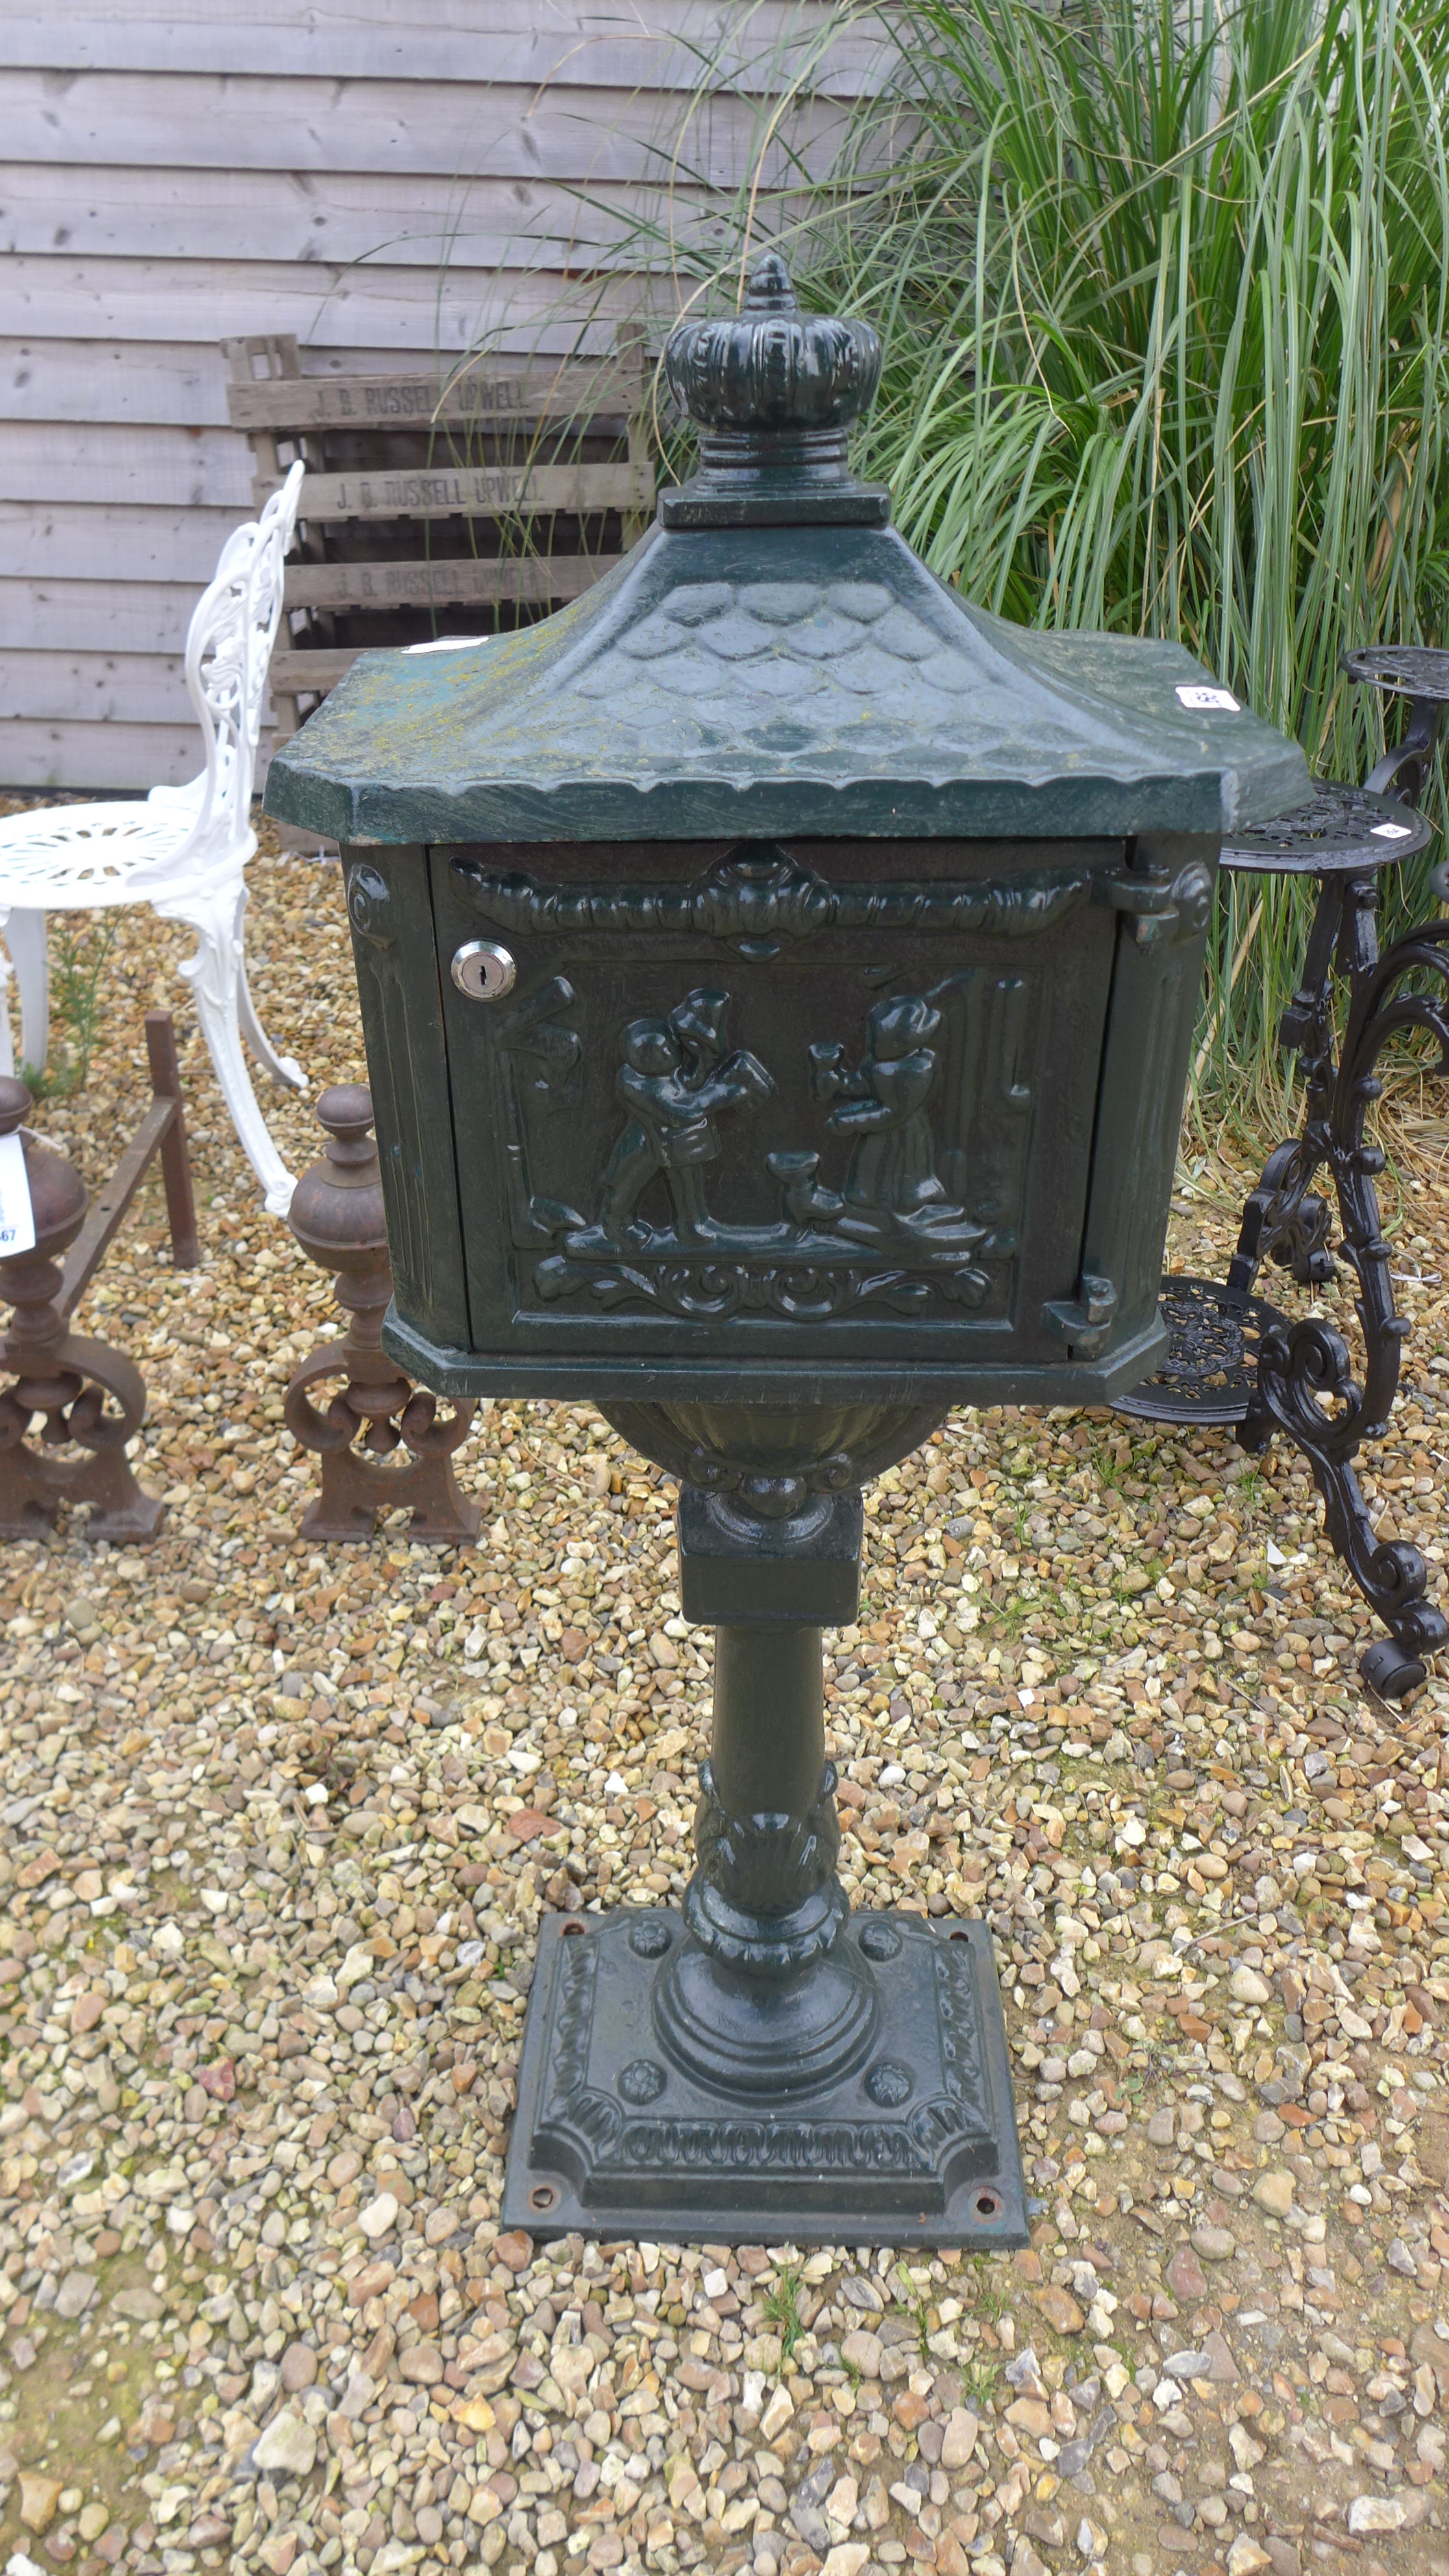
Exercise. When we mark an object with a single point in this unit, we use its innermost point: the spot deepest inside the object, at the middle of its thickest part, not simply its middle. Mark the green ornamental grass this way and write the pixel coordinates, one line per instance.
(1163, 293)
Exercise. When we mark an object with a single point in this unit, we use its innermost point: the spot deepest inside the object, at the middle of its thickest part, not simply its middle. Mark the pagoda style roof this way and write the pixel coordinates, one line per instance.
(773, 659)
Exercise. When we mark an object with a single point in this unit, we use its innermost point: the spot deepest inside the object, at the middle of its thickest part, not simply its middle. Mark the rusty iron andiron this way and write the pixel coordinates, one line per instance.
(87, 1398)
(336, 1216)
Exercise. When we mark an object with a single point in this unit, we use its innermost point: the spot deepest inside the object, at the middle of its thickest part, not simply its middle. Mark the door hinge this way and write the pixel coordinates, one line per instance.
(1149, 903)
(1084, 1321)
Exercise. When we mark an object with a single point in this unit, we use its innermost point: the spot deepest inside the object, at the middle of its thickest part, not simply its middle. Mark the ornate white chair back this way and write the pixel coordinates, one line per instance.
(228, 648)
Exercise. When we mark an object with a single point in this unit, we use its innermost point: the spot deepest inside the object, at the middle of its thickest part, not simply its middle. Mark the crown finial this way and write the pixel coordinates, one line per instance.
(771, 372)
(773, 393)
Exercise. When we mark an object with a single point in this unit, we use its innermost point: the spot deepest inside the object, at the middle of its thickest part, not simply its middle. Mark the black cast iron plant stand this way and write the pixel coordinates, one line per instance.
(1305, 1382)
(1234, 1358)
(763, 2062)
(1238, 1360)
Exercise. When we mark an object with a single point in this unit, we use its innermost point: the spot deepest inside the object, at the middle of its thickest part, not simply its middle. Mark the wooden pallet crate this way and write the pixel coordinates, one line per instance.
(441, 501)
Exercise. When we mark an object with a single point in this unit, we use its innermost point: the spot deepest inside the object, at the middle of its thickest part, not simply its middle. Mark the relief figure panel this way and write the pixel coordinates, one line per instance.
(765, 1100)
(696, 1211)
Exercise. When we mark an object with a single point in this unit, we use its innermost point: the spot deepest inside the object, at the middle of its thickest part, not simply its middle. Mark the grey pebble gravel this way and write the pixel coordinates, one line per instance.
(280, 1823)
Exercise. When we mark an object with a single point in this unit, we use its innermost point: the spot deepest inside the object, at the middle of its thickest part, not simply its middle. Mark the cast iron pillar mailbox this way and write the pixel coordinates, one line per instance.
(778, 978)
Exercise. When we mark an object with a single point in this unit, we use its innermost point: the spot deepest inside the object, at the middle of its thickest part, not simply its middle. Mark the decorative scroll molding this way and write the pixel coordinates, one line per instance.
(708, 1292)
(790, 2146)
(758, 897)
(962, 2039)
(573, 2010)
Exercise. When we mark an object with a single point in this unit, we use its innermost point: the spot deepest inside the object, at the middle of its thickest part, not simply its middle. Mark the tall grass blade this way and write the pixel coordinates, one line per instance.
(1164, 294)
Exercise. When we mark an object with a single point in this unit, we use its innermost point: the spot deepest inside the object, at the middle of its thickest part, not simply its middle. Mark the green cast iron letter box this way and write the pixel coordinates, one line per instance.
(778, 978)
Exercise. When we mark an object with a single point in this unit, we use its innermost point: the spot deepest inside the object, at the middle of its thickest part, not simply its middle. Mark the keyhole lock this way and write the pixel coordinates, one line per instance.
(483, 970)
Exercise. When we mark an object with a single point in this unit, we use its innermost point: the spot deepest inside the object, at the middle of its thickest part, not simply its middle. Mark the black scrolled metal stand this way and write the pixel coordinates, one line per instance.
(1235, 1359)
(1302, 1363)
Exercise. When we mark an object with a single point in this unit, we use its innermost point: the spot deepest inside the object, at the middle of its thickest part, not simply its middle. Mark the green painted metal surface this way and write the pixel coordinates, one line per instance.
(402, 1020)
(777, 1004)
(778, 974)
(772, 658)
(783, 680)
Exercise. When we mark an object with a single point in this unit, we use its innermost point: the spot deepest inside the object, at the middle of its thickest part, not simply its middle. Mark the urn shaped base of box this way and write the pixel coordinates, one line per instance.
(904, 2136)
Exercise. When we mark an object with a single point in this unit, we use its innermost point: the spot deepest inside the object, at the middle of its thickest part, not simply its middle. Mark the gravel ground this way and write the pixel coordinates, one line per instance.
(280, 1821)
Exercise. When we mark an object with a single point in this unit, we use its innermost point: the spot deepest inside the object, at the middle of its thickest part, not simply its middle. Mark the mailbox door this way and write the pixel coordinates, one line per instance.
(719, 1107)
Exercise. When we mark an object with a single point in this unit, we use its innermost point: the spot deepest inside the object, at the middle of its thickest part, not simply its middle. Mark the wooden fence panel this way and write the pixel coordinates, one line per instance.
(509, 41)
(106, 758)
(95, 688)
(43, 616)
(398, 191)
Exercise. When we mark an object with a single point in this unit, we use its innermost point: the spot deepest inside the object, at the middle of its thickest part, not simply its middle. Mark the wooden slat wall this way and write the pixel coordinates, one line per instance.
(382, 180)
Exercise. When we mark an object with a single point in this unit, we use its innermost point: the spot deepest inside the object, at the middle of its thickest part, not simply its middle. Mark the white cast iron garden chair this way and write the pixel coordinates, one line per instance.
(183, 850)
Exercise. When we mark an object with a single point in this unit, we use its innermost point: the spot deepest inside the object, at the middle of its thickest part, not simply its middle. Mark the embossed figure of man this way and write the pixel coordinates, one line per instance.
(676, 1081)
(884, 1103)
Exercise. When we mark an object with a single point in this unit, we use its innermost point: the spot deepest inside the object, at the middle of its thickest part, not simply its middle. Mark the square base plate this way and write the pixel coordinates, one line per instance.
(917, 2147)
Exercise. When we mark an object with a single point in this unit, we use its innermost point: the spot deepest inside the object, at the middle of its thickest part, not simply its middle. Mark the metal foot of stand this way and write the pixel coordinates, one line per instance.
(1233, 1358)
(907, 2146)
(765, 2063)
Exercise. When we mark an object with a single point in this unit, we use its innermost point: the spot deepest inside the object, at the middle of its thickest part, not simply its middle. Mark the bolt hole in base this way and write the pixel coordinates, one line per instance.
(573, 1931)
(988, 2204)
(543, 2198)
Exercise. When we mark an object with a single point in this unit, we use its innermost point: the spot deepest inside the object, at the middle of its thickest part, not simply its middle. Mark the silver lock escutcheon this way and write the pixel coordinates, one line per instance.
(483, 970)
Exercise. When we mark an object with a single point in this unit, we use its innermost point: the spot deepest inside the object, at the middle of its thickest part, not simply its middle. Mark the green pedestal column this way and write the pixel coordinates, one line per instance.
(763, 2063)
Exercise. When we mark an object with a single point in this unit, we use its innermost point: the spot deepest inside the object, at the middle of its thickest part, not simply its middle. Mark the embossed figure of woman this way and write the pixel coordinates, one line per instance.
(883, 1103)
(676, 1081)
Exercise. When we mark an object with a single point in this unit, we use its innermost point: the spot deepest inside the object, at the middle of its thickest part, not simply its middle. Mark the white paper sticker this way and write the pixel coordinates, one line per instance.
(1393, 831)
(1222, 700)
(17, 1218)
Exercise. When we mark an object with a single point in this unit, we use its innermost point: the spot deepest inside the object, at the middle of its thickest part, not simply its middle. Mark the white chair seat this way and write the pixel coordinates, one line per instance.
(67, 858)
(183, 850)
